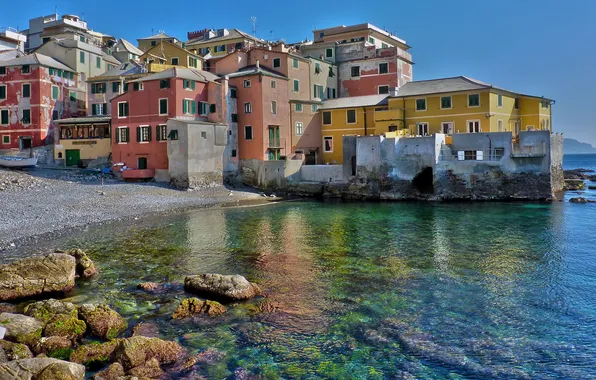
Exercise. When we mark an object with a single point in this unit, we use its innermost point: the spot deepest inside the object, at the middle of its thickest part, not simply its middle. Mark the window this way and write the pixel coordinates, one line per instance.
(383, 89)
(474, 126)
(384, 46)
(98, 62)
(233, 152)
(122, 109)
(383, 68)
(82, 38)
(296, 85)
(189, 84)
(328, 144)
(173, 135)
(26, 90)
(189, 107)
(115, 87)
(355, 70)
(203, 108)
(276, 62)
(420, 104)
(125, 88)
(351, 116)
(422, 129)
(143, 133)
(273, 84)
(314, 108)
(327, 117)
(445, 102)
(239, 45)
(98, 109)
(137, 86)
(299, 127)
(164, 83)
(447, 128)
(500, 125)
(247, 132)
(98, 88)
(371, 40)
(544, 104)
(4, 117)
(234, 118)
(6, 139)
(321, 34)
(163, 106)
(516, 104)
(175, 61)
(319, 91)
(470, 155)
(329, 53)
(161, 132)
(153, 43)
(25, 69)
(142, 163)
(82, 57)
(247, 108)
(123, 135)
(295, 63)
(2, 91)
(233, 94)
(274, 107)
(2, 70)
(26, 117)
(246, 83)
(317, 68)
(499, 100)
(298, 107)
(474, 100)
(498, 153)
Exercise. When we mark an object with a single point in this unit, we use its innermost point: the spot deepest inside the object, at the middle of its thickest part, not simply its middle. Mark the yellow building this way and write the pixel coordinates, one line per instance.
(82, 139)
(217, 43)
(449, 105)
(151, 41)
(166, 55)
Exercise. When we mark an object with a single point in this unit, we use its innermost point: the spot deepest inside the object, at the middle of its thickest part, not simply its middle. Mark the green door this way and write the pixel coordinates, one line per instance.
(72, 157)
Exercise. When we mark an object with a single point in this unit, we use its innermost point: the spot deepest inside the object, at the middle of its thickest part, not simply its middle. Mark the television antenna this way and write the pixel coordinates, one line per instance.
(253, 21)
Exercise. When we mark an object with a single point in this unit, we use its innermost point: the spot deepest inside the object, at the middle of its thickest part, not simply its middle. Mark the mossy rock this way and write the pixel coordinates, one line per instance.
(65, 326)
(137, 350)
(194, 306)
(58, 347)
(59, 318)
(21, 328)
(44, 311)
(114, 371)
(15, 351)
(150, 369)
(103, 322)
(94, 353)
(84, 265)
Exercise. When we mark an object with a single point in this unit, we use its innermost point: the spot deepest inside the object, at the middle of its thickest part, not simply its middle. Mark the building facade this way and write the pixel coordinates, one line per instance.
(147, 43)
(167, 55)
(217, 43)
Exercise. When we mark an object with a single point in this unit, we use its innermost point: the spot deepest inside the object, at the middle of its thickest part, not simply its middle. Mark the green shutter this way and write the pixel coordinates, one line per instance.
(193, 84)
(93, 109)
(117, 135)
(3, 92)
(148, 133)
(194, 106)
(138, 134)
(127, 134)
(54, 92)
(184, 108)
(157, 134)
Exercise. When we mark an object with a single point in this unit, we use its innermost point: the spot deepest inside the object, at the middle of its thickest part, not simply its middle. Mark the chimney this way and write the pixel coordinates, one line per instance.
(393, 91)
(258, 64)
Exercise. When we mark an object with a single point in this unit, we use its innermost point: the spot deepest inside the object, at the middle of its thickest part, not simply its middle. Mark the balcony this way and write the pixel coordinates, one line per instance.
(387, 115)
(275, 143)
(158, 67)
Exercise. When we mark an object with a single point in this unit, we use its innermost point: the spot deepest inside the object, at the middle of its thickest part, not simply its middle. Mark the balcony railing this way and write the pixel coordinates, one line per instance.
(493, 155)
(274, 142)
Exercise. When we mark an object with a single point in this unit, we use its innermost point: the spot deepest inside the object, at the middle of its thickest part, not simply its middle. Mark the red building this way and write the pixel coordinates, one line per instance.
(35, 90)
(140, 115)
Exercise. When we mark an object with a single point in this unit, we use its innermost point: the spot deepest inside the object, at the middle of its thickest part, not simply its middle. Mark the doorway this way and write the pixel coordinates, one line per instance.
(423, 182)
(73, 156)
(311, 158)
(142, 163)
(25, 142)
(447, 128)
(474, 126)
(422, 129)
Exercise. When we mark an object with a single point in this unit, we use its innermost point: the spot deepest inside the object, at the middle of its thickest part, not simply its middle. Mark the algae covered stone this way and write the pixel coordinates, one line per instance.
(113, 372)
(150, 369)
(41, 369)
(221, 287)
(58, 347)
(60, 318)
(21, 328)
(137, 350)
(195, 306)
(94, 352)
(15, 351)
(84, 265)
(103, 322)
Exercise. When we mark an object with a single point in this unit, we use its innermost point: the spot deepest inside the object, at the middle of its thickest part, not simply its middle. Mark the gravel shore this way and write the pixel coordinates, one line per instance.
(44, 201)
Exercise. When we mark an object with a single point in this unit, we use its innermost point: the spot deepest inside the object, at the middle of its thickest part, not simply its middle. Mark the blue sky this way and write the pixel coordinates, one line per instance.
(541, 47)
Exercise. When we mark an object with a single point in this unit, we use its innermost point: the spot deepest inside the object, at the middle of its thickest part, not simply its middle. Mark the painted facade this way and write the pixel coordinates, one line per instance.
(149, 42)
(167, 55)
(82, 139)
(218, 43)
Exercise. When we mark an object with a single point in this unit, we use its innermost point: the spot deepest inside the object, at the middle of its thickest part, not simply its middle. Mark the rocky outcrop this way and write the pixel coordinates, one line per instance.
(94, 352)
(113, 372)
(194, 306)
(150, 369)
(574, 184)
(221, 287)
(581, 200)
(147, 329)
(60, 319)
(149, 286)
(37, 275)
(84, 265)
(41, 369)
(103, 322)
(58, 347)
(138, 350)
(21, 328)
(15, 351)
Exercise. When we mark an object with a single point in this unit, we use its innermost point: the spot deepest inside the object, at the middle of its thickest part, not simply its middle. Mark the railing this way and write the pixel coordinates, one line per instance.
(274, 142)
(493, 155)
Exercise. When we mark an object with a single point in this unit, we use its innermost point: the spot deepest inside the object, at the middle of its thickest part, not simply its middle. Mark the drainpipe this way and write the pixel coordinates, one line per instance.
(365, 127)
(403, 106)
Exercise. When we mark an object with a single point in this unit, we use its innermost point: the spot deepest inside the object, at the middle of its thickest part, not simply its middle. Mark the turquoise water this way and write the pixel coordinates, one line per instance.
(375, 290)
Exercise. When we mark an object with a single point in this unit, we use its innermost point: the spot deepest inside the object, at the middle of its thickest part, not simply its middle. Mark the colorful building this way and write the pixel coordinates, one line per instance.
(124, 51)
(35, 90)
(216, 43)
(147, 43)
(166, 55)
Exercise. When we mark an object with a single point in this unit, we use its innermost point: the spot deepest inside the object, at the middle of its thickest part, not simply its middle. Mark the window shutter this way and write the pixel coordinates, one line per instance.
(184, 110)
(194, 106)
(192, 84)
(460, 155)
(94, 109)
(157, 134)
(148, 133)
(479, 155)
(138, 134)
(127, 134)
(117, 136)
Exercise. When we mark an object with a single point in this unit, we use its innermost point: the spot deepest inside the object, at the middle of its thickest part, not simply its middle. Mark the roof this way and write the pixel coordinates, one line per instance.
(84, 120)
(5, 55)
(254, 70)
(70, 43)
(160, 35)
(233, 34)
(160, 45)
(123, 69)
(340, 29)
(181, 72)
(355, 101)
(444, 85)
(110, 59)
(36, 59)
(130, 47)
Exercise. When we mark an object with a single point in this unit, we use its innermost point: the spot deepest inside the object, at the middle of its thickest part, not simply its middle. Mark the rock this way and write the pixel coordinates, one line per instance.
(581, 200)
(37, 275)
(15, 351)
(41, 369)
(84, 265)
(113, 372)
(149, 286)
(21, 328)
(60, 318)
(3, 357)
(194, 306)
(265, 306)
(574, 184)
(146, 329)
(94, 352)
(58, 347)
(103, 322)
(7, 307)
(137, 350)
(151, 370)
(591, 187)
(222, 287)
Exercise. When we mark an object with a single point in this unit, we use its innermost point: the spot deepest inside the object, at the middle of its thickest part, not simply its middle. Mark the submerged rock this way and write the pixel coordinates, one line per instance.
(147, 329)
(41, 369)
(581, 200)
(113, 372)
(150, 369)
(138, 350)
(15, 351)
(37, 275)
(223, 287)
(60, 318)
(21, 328)
(84, 265)
(149, 286)
(194, 306)
(103, 322)
(94, 352)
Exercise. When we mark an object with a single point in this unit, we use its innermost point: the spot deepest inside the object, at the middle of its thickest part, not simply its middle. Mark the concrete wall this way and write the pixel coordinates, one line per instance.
(322, 173)
(270, 175)
(556, 162)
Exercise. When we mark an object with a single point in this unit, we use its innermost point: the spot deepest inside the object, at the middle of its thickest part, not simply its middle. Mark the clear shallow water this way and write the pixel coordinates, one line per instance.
(377, 290)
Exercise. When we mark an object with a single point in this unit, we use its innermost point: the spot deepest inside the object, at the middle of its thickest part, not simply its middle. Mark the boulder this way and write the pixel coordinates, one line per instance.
(150, 369)
(113, 372)
(103, 322)
(149, 286)
(21, 328)
(15, 351)
(194, 306)
(84, 265)
(221, 287)
(146, 329)
(37, 275)
(41, 369)
(60, 318)
(581, 200)
(138, 350)
(58, 347)
(6, 307)
(574, 184)
(3, 357)
(94, 352)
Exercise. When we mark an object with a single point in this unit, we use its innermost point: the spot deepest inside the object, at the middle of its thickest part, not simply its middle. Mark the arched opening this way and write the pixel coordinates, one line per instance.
(423, 182)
